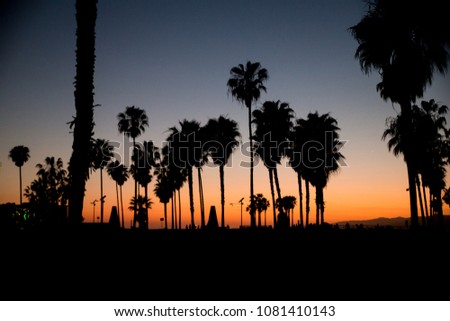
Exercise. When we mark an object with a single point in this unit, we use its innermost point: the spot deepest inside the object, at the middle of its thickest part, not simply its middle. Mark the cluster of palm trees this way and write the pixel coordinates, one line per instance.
(312, 145)
(406, 43)
(425, 136)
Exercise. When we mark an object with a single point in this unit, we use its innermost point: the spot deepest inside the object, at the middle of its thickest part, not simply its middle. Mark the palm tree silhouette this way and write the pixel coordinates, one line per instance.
(164, 190)
(223, 136)
(321, 154)
(144, 159)
(406, 45)
(295, 154)
(245, 85)
(273, 126)
(102, 153)
(142, 203)
(119, 173)
(183, 153)
(19, 155)
(83, 122)
(262, 204)
(427, 139)
(132, 123)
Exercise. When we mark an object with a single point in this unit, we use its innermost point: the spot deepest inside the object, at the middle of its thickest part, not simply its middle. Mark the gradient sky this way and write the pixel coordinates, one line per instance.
(172, 58)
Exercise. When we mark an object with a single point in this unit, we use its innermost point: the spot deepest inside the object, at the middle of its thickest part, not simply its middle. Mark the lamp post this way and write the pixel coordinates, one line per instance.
(93, 212)
(241, 201)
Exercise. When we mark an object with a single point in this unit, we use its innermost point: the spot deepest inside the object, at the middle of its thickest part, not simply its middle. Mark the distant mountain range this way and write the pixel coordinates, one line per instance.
(386, 221)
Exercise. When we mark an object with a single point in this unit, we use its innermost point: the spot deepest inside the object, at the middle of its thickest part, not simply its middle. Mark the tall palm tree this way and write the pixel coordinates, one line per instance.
(321, 154)
(119, 173)
(183, 153)
(224, 137)
(102, 153)
(144, 159)
(427, 141)
(295, 153)
(132, 123)
(406, 43)
(273, 127)
(83, 123)
(19, 155)
(245, 85)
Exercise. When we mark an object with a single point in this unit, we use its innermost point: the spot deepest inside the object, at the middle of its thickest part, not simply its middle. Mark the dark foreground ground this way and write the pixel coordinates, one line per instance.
(96, 263)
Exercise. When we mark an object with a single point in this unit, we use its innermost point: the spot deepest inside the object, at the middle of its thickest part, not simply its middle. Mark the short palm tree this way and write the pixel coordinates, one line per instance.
(406, 42)
(132, 123)
(101, 155)
(142, 203)
(245, 84)
(20, 155)
(262, 204)
(119, 173)
(224, 137)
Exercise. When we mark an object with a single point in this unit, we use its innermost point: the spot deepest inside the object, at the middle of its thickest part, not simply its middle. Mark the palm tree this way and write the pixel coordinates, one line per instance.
(406, 44)
(132, 123)
(295, 154)
(224, 137)
(273, 126)
(20, 155)
(142, 203)
(119, 173)
(245, 85)
(102, 153)
(321, 155)
(183, 153)
(83, 123)
(144, 159)
(262, 204)
(164, 191)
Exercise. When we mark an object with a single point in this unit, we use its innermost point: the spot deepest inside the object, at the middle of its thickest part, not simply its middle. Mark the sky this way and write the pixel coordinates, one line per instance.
(173, 58)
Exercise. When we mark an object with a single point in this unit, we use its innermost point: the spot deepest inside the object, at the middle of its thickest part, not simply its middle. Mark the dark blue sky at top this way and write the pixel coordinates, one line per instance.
(173, 57)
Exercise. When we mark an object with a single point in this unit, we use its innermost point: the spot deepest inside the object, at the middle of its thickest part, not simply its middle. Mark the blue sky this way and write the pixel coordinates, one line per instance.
(172, 58)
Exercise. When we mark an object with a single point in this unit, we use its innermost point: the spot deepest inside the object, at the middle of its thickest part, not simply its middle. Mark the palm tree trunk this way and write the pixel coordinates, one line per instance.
(121, 207)
(202, 203)
(419, 193)
(317, 206)
(118, 207)
(173, 210)
(425, 201)
(300, 193)
(20, 185)
(411, 170)
(277, 182)
(222, 193)
(252, 207)
(102, 201)
(321, 204)
(307, 202)
(86, 16)
(165, 216)
(146, 206)
(272, 192)
(259, 218)
(179, 209)
(191, 196)
(135, 185)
